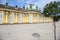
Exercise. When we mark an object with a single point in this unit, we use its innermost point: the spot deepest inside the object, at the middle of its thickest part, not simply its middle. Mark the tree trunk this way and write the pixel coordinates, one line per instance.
(54, 30)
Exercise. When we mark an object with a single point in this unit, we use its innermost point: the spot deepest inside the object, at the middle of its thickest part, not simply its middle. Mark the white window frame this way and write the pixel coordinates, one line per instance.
(30, 18)
(11, 19)
(20, 18)
(0, 17)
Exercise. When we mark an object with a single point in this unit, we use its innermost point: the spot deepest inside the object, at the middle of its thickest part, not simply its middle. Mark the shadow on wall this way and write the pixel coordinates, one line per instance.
(58, 39)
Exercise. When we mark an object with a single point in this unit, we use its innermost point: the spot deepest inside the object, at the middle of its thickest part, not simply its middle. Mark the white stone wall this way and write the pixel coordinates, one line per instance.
(25, 31)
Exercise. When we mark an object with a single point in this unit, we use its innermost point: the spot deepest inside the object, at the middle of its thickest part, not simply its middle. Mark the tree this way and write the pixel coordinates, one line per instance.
(51, 10)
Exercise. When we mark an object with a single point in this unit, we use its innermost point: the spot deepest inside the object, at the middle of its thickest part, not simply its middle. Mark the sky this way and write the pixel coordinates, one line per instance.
(21, 3)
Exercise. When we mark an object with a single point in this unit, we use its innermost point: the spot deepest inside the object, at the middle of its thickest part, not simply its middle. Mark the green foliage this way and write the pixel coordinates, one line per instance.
(51, 9)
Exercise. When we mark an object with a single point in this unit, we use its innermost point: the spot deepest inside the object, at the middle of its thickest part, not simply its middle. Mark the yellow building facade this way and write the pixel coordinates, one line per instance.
(10, 15)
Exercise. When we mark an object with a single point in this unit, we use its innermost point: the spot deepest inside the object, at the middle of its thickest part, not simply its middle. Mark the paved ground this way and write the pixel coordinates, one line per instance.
(25, 31)
(58, 30)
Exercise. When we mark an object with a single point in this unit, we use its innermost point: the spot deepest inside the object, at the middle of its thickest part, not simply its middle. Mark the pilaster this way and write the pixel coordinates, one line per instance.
(15, 17)
(7, 17)
(3, 17)
(34, 18)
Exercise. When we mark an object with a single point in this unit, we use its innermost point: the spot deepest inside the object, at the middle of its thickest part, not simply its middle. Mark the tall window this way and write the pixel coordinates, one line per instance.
(0, 17)
(30, 18)
(11, 17)
(20, 18)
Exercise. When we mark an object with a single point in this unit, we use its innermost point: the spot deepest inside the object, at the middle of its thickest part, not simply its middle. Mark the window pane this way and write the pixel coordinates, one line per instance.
(20, 18)
(30, 18)
(0, 17)
(11, 18)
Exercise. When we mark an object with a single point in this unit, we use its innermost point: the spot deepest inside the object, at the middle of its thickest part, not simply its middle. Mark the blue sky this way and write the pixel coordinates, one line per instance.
(21, 3)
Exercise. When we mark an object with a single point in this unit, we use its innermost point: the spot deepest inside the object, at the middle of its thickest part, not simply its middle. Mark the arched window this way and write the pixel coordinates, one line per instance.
(20, 18)
(11, 17)
(0, 17)
(30, 18)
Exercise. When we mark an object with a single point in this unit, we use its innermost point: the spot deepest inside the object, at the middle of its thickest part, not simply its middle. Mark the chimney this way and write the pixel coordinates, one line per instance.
(6, 4)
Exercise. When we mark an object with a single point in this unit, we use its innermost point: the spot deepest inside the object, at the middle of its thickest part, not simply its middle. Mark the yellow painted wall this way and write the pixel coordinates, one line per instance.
(7, 17)
(25, 17)
(3, 17)
(40, 18)
(34, 18)
(15, 17)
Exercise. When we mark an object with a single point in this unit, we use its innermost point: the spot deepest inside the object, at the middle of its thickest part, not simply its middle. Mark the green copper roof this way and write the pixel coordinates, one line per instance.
(32, 7)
